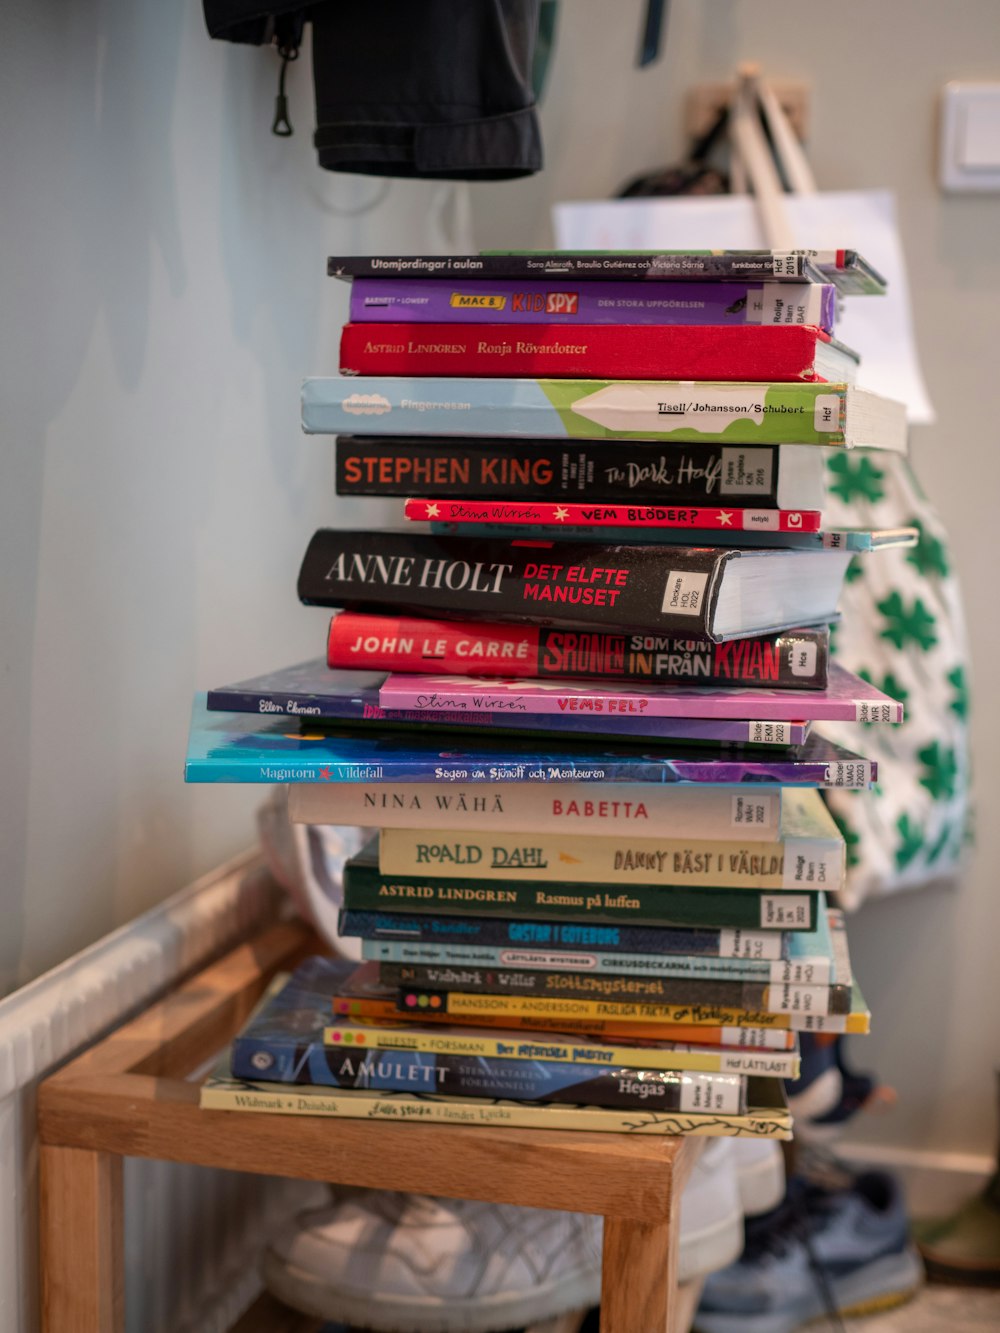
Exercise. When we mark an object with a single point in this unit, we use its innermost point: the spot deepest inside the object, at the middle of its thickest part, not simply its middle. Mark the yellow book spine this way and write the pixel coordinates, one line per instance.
(228, 1095)
(522, 1048)
(512, 1046)
(386, 1013)
(461, 1004)
(812, 863)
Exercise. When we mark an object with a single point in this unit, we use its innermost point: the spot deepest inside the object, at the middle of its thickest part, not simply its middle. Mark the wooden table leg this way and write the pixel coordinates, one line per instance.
(83, 1284)
(639, 1275)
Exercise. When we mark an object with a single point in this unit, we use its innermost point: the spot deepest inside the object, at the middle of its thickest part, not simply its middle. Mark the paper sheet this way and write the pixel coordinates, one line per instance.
(879, 327)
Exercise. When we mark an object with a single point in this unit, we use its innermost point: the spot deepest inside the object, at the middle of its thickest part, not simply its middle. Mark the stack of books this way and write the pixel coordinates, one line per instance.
(579, 709)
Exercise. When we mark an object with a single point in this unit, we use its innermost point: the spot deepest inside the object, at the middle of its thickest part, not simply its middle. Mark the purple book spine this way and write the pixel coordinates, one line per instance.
(847, 698)
(481, 301)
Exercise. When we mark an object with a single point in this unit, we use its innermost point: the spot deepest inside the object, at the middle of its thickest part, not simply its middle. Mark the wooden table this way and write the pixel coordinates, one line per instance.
(132, 1095)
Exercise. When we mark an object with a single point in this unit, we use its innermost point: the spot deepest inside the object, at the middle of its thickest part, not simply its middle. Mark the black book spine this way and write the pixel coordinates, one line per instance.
(612, 989)
(665, 588)
(552, 469)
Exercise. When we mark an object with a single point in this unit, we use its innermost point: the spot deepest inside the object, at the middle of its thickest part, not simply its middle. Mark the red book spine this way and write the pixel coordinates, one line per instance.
(550, 514)
(360, 641)
(398, 643)
(587, 351)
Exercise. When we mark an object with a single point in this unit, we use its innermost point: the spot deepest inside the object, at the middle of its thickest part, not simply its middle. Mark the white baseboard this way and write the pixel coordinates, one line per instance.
(936, 1183)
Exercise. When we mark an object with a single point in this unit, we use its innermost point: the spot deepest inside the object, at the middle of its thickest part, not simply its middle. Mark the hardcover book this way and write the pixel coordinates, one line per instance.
(809, 854)
(283, 1043)
(362, 998)
(714, 593)
(796, 1017)
(752, 812)
(487, 984)
(793, 659)
(497, 961)
(367, 887)
(506, 301)
(847, 698)
(678, 411)
(515, 1045)
(239, 747)
(855, 540)
(547, 515)
(598, 351)
(783, 476)
(766, 1115)
(810, 960)
(314, 691)
(849, 271)
(364, 995)
(416, 928)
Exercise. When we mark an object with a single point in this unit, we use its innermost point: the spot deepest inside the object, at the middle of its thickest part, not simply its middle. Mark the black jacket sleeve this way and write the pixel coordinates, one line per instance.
(422, 88)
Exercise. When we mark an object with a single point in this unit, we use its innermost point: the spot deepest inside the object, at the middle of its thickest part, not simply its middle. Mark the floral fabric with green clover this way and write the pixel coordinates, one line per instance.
(903, 630)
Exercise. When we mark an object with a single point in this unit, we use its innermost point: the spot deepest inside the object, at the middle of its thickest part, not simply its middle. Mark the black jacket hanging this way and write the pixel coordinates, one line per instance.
(423, 88)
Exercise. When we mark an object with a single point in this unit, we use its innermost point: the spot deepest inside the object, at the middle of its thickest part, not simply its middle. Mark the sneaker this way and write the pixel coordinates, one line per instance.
(760, 1171)
(711, 1212)
(819, 1087)
(821, 1252)
(405, 1263)
(829, 1093)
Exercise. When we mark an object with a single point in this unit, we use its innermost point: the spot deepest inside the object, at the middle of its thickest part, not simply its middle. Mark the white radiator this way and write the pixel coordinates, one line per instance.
(192, 1234)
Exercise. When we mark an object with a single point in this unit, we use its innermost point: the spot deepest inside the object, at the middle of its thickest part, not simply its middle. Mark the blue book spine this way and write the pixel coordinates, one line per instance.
(240, 747)
(261, 1059)
(558, 409)
(486, 932)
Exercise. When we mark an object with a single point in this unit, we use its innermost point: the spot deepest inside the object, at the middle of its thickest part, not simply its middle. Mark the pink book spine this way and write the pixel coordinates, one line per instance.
(554, 514)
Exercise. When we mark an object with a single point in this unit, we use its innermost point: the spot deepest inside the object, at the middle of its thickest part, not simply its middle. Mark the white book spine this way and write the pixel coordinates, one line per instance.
(642, 809)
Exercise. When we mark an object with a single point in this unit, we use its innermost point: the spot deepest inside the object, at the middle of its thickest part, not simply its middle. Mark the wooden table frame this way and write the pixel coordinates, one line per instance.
(131, 1095)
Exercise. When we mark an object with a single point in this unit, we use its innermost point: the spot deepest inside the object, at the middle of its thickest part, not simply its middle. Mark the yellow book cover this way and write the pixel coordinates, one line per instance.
(564, 1048)
(767, 1118)
(808, 855)
(369, 1009)
(461, 1006)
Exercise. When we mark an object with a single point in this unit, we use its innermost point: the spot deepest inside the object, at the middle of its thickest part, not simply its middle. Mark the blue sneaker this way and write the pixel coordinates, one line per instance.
(820, 1252)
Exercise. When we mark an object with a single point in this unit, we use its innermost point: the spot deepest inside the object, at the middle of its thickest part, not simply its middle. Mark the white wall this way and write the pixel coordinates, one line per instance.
(162, 293)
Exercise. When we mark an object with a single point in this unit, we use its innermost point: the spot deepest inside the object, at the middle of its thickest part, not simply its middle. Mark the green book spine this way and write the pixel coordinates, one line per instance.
(366, 888)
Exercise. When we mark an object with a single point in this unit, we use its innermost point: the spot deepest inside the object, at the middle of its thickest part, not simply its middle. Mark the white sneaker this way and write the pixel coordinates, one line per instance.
(711, 1213)
(760, 1169)
(406, 1263)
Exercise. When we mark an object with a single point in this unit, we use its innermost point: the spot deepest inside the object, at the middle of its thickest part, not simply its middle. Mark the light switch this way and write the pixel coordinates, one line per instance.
(979, 146)
(970, 137)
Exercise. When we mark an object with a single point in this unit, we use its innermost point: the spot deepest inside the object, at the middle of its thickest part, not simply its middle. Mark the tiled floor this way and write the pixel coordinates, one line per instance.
(937, 1309)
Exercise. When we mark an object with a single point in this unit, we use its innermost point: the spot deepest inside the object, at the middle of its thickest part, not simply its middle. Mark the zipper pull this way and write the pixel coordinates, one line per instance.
(281, 125)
